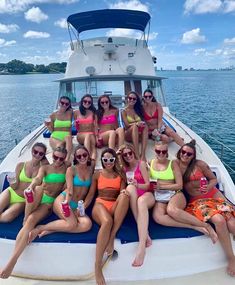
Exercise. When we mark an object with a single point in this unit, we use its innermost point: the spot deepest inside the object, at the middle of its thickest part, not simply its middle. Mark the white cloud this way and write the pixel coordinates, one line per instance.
(35, 14)
(202, 6)
(36, 35)
(153, 36)
(62, 23)
(38, 59)
(199, 51)
(229, 41)
(229, 6)
(123, 33)
(4, 43)
(6, 29)
(14, 6)
(130, 5)
(193, 37)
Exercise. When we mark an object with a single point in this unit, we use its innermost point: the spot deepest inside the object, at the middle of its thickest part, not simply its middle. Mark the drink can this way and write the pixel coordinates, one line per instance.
(29, 195)
(65, 208)
(81, 208)
(203, 182)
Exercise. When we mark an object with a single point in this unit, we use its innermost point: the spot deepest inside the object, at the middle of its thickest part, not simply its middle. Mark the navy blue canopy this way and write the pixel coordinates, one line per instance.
(109, 18)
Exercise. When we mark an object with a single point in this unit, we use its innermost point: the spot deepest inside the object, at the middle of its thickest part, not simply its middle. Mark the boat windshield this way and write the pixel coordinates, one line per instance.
(115, 89)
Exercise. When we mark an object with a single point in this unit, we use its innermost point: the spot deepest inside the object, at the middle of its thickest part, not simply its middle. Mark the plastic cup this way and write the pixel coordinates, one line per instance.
(130, 176)
(47, 120)
(11, 177)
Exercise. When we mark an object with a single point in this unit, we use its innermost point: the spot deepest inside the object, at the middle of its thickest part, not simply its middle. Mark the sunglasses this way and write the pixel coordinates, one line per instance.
(110, 160)
(183, 152)
(129, 153)
(148, 97)
(84, 155)
(62, 103)
(104, 102)
(55, 157)
(132, 98)
(161, 151)
(40, 153)
(86, 101)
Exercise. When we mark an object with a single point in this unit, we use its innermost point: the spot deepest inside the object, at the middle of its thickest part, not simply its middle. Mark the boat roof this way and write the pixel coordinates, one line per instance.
(109, 18)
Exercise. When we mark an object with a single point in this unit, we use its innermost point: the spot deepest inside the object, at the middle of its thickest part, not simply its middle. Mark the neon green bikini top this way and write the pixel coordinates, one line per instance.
(62, 124)
(166, 174)
(23, 177)
(54, 178)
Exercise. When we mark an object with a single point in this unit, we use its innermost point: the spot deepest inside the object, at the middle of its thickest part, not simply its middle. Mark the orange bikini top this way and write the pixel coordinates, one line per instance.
(104, 182)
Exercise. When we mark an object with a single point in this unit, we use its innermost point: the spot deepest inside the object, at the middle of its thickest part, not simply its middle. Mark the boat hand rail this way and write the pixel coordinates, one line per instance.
(221, 144)
(32, 139)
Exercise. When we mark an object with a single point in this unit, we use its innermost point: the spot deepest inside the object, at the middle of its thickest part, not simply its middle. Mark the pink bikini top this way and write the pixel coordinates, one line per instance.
(108, 120)
(88, 120)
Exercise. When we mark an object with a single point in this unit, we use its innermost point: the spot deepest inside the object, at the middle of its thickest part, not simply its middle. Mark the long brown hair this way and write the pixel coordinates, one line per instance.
(84, 148)
(116, 167)
(191, 166)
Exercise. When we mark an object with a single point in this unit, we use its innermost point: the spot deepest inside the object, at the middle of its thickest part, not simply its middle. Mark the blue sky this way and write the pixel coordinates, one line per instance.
(191, 33)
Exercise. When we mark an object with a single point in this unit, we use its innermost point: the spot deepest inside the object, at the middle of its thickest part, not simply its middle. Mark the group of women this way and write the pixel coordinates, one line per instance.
(142, 120)
(156, 184)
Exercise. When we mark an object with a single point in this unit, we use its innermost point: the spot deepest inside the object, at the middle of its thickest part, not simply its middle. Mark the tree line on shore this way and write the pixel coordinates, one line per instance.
(19, 67)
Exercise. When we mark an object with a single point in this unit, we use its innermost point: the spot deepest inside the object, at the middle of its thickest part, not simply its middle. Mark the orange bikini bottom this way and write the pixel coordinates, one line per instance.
(107, 204)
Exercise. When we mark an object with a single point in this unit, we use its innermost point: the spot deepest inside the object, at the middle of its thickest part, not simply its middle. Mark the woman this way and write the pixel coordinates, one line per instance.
(107, 116)
(78, 180)
(206, 202)
(60, 126)
(51, 179)
(141, 198)
(12, 201)
(153, 113)
(110, 207)
(135, 127)
(169, 182)
(86, 124)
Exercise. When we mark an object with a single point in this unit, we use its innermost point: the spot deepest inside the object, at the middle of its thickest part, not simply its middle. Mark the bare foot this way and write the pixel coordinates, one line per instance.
(33, 234)
(212, 233)
(110, 248)
(139, 258)
(6, 272)
(99, 277)
(148, 242)
(44, 233)
(231, 267)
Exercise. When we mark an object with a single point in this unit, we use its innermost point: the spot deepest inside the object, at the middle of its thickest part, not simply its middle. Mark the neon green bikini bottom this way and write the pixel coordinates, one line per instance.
(46, 199)
(60, 135)
(14, 197)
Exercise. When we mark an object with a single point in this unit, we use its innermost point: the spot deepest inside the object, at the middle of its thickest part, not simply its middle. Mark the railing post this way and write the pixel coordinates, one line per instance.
(222, 152)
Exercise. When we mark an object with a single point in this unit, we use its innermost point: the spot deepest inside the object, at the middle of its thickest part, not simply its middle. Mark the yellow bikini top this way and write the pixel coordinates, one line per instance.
(134, 119)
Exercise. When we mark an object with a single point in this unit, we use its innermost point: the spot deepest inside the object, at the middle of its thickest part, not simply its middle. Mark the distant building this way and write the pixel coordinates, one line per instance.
(179, 68)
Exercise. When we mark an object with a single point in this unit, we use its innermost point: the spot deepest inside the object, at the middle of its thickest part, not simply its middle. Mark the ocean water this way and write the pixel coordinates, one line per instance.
(204, 100)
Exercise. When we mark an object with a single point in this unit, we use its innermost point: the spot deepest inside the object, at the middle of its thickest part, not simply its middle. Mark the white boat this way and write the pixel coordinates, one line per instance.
(114, 65)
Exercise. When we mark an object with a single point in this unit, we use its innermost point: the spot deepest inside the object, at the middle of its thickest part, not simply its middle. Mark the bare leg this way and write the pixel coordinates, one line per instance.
(131, 189)
(171, 133)
(144, 141)
(225, 240)
(12, 212)
(121, 135)
(104, 219)
(160, 216)
(132, 134)
(175, 210)
(22, 239)
(119, 212)
(145, 202)
(30, 207)
(69, 147)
